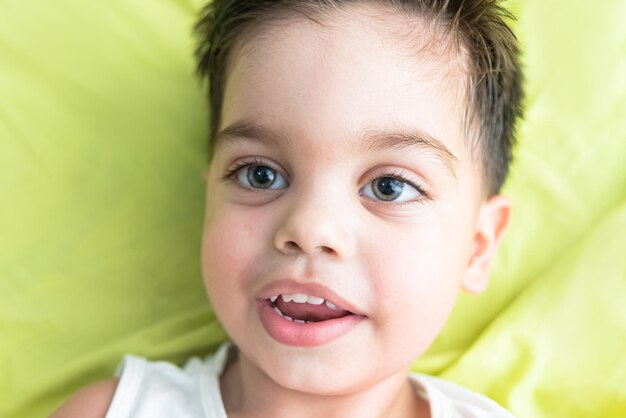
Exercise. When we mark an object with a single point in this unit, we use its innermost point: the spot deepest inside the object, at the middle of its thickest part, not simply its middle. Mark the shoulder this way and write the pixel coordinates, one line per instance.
(451, 400)
(91, 401)
(146, 388)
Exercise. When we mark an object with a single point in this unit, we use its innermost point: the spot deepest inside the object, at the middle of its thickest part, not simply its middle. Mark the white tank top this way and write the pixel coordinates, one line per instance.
(158, 389)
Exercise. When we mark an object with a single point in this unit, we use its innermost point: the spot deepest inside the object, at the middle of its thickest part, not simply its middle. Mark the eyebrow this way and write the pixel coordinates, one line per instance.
(402, 139)
(372, 140)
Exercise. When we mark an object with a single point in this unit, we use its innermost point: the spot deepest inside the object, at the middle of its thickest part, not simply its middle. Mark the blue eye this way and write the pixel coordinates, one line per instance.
(391, 189)
(260, 177)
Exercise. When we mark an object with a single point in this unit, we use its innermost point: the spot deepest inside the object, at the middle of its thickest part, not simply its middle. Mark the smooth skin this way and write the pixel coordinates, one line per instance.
(310, 97)
(314, 95)
(91, 401)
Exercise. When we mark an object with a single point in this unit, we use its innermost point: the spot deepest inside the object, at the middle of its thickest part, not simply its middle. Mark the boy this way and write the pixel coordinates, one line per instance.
(357, 153)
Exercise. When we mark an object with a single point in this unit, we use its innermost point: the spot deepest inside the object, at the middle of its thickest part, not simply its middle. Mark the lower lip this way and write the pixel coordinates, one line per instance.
(304, 335)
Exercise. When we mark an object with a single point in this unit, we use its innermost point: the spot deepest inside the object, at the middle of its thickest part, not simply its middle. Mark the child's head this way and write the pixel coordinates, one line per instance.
(357, 151)
(475, 31)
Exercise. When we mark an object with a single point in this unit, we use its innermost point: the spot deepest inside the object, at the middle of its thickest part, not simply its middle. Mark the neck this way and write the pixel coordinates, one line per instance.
(248, 392)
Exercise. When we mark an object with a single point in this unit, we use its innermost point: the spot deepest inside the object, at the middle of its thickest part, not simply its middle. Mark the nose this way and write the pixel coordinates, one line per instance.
(315, 223)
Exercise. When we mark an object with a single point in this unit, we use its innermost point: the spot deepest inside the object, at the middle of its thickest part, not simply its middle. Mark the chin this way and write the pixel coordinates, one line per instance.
(308, 376)
(327, 385)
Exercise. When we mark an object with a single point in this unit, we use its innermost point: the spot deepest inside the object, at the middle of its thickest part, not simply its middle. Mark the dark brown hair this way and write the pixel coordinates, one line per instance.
(478, 26)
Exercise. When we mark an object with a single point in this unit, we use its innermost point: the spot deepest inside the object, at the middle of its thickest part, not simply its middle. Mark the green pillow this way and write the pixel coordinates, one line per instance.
(102, 146)
(103, 128)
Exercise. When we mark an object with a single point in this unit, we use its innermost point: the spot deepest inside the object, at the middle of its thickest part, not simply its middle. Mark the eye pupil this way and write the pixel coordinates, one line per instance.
(388, 188)
(261, 176)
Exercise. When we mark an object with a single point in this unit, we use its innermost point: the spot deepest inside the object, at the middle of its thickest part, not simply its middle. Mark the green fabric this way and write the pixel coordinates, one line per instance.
(102, 131)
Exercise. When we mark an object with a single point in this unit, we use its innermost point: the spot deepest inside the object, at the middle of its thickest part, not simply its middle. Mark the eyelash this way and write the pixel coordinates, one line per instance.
(404, 179)
(228, 177)
(241, 164)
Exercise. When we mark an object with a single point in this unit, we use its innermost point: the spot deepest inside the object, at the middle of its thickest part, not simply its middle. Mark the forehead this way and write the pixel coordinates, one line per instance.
(357, 70)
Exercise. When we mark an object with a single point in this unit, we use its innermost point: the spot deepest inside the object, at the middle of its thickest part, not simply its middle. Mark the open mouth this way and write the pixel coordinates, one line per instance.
(301, 320)
(303, 309)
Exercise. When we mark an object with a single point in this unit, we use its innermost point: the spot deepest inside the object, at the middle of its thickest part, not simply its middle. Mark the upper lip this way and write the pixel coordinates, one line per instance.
(281, 286)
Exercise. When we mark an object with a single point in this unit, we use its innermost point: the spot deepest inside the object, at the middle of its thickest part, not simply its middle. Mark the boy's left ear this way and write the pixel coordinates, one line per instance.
(491, 224)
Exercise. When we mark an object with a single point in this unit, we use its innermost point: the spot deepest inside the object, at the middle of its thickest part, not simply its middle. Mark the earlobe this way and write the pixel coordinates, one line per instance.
(491, 224)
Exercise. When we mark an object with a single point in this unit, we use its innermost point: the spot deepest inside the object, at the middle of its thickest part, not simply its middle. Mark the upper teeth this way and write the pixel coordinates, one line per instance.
(301, 298)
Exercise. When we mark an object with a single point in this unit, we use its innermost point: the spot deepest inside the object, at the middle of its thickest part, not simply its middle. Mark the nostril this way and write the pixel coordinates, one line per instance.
(327, 249)
(290, 245)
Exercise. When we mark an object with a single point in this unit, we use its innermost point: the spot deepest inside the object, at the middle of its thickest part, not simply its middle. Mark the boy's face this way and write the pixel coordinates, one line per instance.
(318, 205)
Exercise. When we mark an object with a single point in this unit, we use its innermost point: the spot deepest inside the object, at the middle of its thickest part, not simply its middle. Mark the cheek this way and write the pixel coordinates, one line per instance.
(418, 282)
(426, 260)
(229, 251)
(419, 279)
